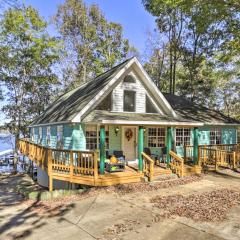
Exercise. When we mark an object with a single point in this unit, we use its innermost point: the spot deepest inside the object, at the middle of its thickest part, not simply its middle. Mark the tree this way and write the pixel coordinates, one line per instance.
(92, 44)
(201, 36)
(27, 56)
(170, 23)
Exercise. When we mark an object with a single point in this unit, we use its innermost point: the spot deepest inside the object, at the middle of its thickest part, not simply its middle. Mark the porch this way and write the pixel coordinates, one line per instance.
(83, 167)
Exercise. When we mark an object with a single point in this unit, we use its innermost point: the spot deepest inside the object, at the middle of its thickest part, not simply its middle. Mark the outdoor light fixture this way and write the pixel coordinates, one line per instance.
(116, 130)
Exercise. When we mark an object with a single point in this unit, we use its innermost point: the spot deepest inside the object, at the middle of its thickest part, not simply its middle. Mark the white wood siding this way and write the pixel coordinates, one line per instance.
(117, 95)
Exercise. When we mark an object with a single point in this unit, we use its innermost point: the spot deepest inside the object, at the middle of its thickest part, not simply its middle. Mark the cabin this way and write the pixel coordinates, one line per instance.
(119, 128)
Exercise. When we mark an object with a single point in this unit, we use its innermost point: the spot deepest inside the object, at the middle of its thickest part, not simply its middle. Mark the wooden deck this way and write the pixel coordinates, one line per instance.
(82, 167)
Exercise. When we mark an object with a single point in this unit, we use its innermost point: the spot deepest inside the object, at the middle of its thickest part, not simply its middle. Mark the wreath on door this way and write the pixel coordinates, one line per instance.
(129, 134)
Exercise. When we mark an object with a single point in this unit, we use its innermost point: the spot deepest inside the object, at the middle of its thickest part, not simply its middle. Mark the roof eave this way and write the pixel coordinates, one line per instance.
(221, 124)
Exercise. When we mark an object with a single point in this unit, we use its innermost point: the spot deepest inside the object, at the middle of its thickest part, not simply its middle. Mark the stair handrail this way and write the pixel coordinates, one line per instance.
(148, 166)
(177, 164)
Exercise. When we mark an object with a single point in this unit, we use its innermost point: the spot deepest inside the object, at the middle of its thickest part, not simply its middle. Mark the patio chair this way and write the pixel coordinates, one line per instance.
(120, 165)
(155, 157)
(119, 155)
(163, 156)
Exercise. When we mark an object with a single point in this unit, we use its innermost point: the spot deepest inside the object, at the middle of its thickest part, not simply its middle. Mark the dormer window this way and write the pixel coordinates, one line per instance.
(129, 101)
(129, 79)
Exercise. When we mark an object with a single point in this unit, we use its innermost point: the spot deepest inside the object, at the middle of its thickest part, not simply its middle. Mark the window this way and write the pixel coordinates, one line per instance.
(183, 136)
(129, 79)
(106, 103)
(129, 101)
(40, 135)
(48, 135)
(150, 108)
(215, 136)
(91, 137)
(60, 136)
(156, 137)
(32, 134)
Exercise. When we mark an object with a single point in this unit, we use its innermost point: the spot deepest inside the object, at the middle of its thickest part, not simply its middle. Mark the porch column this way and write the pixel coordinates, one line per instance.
(169, 143)
(195, 145)
(102, 149)
(140, 147)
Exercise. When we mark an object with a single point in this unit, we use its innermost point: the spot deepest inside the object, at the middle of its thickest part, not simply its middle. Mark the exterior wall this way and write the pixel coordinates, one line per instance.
(67, 136)
(43, 180)
(78, 137)
(117, 95)
(73, 136)
(53, 138)
(35, 135)
(229, 134)
(115, 141)
(44, 136)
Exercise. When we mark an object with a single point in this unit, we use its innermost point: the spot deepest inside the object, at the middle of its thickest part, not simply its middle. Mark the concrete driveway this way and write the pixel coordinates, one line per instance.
(110, 216)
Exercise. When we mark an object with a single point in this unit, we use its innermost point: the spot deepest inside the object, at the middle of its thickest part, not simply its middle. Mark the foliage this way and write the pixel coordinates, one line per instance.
(92, 44)
(199, 40)
(27, 55)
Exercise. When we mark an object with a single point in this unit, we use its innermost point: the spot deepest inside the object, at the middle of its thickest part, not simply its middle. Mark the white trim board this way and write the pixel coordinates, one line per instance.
(124, 122)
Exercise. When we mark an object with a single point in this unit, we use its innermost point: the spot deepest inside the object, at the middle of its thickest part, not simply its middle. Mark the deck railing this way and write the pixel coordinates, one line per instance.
(188, 153)
(177, 164)
(220, 155)
(66, 164)
(148, 166)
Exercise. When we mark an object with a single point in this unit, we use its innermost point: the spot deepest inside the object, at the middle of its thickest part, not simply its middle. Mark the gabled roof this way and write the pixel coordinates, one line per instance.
(66, 107)
(76, 104)
(195, 112)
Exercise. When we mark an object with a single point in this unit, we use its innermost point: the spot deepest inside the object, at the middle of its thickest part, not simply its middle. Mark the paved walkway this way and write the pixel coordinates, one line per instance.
(132, 216)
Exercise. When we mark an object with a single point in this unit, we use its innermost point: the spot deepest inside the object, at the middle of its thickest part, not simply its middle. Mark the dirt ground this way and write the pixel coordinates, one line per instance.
(173, 210)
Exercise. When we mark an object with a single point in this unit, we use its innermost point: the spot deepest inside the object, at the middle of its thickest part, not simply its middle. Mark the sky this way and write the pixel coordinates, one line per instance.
(136, 21)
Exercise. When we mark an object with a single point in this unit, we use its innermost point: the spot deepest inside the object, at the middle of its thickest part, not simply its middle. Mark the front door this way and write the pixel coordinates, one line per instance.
(129, 142)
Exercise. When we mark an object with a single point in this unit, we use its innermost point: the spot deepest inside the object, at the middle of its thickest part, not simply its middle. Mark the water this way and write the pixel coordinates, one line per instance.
(7, 143)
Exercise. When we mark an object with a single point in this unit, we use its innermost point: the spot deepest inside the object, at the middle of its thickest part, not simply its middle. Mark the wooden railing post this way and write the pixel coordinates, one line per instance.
(151, 170)
(95, 165)
(234, 160)
(148, 166)
(185, 153)
(216, 160)
(201, 152)
(71, 166)
(49, 158)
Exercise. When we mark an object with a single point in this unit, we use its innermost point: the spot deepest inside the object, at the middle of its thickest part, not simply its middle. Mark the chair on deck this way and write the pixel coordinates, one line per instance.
(120, 165)
(119, 155)
(155, 157)
(163, 157)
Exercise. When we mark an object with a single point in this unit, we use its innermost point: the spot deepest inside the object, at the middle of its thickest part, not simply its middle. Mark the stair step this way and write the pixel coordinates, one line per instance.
(165, 177)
